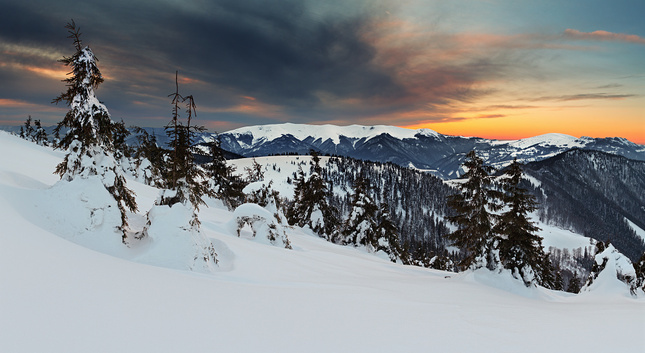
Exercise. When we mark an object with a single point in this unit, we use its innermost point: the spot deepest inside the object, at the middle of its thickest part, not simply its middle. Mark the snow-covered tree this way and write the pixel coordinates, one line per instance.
(263, 194)
(149, 159)
(254, 172)
(27, 131)
(91, 131)
(361, 224)
(369, 223)
(185, 180)
(474, 217)
(183, 190)
(224, 183)
(34, 133)
(520, 246)
(574, 284)
(610, 267)
(387, 235)
(40, 135)
(266, 226)
(272, 223)
(311, 207)
(121, 149)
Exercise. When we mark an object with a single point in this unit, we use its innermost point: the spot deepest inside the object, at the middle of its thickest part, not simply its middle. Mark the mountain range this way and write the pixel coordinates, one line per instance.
(442, 155)
(424, 149)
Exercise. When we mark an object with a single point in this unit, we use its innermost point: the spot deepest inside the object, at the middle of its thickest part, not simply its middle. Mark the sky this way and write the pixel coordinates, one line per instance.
(502, 69)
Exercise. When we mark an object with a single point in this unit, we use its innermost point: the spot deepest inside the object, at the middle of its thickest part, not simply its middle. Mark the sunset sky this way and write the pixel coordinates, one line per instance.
(493, 68)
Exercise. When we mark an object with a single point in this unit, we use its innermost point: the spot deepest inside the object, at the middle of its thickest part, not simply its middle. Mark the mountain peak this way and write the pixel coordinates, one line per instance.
(325, 132)
(551, 139)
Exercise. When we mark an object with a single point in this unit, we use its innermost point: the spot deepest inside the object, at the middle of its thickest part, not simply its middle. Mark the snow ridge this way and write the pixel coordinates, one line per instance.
(324, 132)
(552, 139)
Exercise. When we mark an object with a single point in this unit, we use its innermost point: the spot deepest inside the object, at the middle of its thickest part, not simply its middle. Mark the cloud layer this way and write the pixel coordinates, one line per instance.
(252, 61)
(603, 36)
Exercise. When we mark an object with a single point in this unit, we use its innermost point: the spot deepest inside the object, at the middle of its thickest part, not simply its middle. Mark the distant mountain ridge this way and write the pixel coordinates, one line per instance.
(422, 149)
(594, 193)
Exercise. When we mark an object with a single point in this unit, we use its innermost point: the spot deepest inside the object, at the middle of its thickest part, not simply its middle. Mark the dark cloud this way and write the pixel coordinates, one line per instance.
(256, 61)
(284, 62)
(278, 52)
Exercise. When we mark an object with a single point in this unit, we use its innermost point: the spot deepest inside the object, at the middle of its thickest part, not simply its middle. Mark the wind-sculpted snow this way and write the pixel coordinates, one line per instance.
(616, 276)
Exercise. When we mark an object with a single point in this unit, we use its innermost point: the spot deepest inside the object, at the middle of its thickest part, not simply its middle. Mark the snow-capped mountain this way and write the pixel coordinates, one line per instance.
(422, 149)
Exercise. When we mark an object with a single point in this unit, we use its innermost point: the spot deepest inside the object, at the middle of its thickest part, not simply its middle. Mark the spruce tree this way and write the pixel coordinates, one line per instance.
(558, 281)
(361, 224)
(185, 180)
(223, 181)
(574, 284)
(150, 159)
(40, 135)
(90, 136)
(311, 207)
(28, 133)
(254, 172)
(184, 187)
(473, 216)
(387, 236)
(121, 148)
(521, 248)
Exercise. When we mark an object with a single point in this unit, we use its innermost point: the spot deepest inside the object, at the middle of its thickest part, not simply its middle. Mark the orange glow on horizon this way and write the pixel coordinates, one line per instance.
(487, 128)
(600, 118)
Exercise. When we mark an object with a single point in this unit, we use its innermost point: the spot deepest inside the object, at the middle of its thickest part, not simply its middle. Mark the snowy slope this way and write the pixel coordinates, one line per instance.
(552, 139)
(59, 296)
(638, 230)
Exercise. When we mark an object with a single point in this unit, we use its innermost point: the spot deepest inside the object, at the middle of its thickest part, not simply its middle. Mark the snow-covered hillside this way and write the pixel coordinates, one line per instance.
(66, 289)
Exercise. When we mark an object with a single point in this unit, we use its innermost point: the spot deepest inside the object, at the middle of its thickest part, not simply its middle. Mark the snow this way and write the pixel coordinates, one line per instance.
(271, 132)
(639, 231)
(559, 238)
(553, 139)
(607, 283)
(61, 294)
